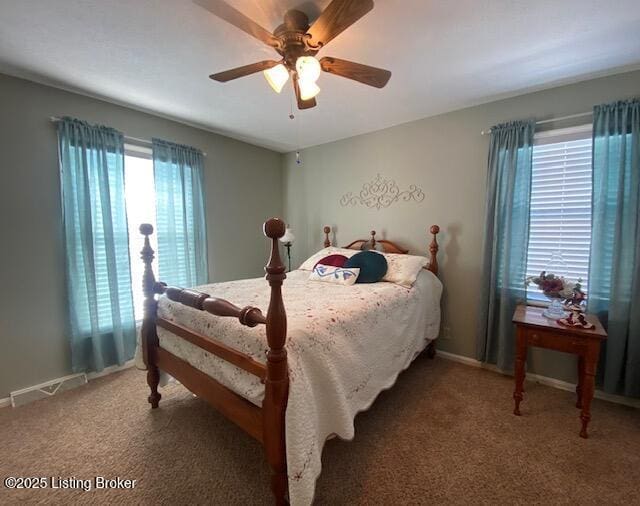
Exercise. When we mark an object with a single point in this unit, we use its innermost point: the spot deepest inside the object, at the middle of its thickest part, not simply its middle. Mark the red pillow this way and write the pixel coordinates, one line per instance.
(333, 260)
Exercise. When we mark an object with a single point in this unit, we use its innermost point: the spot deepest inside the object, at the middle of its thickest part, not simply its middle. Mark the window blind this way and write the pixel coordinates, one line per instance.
(561, 193)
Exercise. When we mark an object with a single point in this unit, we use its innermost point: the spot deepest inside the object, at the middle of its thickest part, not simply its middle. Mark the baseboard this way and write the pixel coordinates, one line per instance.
(110, 370)
(461, 359)
(6, 402)
(543, 380)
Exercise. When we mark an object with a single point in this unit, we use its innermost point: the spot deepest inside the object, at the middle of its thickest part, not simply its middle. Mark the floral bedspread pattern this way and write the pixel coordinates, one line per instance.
(345, 345)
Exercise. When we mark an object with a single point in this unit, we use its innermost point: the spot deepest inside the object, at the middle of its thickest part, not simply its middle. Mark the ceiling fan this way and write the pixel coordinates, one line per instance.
(298, 43)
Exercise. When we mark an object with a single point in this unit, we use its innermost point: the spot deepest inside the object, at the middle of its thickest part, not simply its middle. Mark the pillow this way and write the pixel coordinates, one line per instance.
(333, 260)
(403, 269)
(372, 265)
(334, 274)
(311, 262)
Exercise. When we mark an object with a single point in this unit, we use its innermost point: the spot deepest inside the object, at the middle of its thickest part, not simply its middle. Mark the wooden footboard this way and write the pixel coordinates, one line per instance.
(265, 424)
(244, 414)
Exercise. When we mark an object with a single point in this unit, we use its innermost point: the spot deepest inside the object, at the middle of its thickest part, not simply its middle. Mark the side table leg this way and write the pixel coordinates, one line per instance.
(521, 357)
(580, 381)
(588, 385)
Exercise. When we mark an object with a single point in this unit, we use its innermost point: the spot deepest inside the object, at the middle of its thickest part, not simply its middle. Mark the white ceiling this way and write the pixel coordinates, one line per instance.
(444, 55)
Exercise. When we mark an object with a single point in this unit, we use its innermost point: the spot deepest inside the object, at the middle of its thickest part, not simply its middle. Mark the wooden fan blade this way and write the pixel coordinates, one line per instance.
(337, 17)
(239, 20)
(246, 70)
(302, 104)
(362, 73)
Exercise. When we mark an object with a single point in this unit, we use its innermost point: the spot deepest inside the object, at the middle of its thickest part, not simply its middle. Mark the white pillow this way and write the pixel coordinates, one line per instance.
(310, 262)
(403, 269)
(331, 274)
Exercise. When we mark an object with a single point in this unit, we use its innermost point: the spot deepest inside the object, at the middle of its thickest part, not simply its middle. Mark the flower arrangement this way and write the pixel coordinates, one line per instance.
(555, 287)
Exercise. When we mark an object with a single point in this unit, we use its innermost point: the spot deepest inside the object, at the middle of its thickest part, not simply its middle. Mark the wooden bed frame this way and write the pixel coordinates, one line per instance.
(266, 424)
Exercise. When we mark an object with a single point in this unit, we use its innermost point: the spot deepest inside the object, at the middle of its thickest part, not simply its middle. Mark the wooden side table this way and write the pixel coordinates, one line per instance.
(533, 329)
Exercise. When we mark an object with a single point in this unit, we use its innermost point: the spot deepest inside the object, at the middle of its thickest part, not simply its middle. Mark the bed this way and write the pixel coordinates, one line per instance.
(290, 380)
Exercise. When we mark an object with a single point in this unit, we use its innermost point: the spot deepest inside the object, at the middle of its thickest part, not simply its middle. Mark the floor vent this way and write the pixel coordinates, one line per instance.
(48, 389)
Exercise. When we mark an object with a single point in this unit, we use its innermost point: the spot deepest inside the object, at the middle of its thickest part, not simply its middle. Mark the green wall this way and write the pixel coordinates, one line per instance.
(447, 157)
(243, 187)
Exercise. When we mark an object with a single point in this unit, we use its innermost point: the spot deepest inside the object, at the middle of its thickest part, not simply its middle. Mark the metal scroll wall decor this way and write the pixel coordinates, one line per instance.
(381, 193)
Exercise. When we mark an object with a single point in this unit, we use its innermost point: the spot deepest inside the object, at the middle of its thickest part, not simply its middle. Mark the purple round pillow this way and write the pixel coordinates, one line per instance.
(333, 261)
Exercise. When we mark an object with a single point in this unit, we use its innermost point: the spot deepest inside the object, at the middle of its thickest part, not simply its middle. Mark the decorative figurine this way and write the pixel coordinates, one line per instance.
(575, 306)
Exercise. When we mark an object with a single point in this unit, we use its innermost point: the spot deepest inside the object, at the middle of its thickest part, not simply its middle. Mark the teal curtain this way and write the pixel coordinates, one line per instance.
(614, 273)
(180, 214)
(100, 300)
(506, 238)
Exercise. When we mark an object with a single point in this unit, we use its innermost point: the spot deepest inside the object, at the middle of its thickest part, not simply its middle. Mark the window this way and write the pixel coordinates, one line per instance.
(561, 194)
(141, 208)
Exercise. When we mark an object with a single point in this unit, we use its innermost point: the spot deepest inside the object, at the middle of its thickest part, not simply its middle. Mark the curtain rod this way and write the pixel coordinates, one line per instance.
(55, 119)
(561, 118)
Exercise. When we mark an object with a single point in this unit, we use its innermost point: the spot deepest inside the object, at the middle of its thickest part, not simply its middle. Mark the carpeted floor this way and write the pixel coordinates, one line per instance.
(443, 434)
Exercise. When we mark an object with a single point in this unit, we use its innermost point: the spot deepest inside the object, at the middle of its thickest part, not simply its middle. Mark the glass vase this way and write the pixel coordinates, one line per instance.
(555, 311)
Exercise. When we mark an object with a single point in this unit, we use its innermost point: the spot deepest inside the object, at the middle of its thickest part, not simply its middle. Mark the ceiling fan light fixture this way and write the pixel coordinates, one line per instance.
(297, 43)
(308, 68)
(277, 77)
(308, 89)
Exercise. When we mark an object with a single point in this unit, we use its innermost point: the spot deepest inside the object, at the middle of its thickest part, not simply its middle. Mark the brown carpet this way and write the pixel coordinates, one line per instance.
(443, 434)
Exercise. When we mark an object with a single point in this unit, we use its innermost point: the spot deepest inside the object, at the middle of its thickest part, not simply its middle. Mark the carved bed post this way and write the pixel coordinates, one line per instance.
(148, 332)
(433, 267)
(327, 241)
(433, 250)
(277, 380)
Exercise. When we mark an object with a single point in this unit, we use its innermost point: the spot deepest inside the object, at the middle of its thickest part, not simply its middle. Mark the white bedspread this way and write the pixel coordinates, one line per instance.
(345, 345)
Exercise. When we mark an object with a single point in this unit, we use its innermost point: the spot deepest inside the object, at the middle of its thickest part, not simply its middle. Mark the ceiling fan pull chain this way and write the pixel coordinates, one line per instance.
(291, 115)
(298, 158)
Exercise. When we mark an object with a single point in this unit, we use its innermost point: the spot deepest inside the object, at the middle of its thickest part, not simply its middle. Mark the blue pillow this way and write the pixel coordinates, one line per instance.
(373, 266)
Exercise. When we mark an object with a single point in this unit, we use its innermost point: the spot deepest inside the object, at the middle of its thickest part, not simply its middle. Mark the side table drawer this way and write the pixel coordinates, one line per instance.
(555, 341)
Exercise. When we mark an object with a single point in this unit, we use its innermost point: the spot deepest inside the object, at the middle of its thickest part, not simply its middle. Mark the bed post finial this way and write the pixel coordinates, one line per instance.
(327, 241)
(148, 333)
(373, 239)
(433, 250)
(277, 380)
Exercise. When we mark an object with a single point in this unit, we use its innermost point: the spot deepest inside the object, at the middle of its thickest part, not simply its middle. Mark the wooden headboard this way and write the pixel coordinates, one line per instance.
(392, 247)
